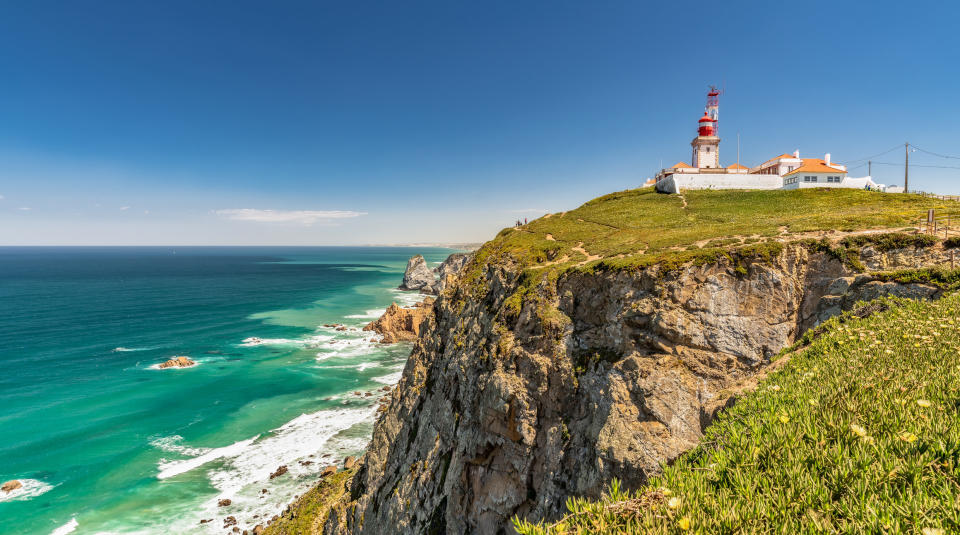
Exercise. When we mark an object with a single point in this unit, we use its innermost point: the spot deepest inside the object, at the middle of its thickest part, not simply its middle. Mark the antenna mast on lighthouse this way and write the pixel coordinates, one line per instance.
(713, 107)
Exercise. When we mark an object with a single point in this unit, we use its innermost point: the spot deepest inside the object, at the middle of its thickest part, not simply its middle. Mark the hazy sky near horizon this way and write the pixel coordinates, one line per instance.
(313, 123)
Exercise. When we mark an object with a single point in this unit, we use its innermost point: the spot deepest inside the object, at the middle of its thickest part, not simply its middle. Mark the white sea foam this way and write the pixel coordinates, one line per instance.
(309, 341)
(172, 468)
(304, 435)
(244, 468)
(352, 344)
(172, 444)
(122, 349)
(370, 314)
(69, 527)
(406, 298)
(31, 488)
(390, 379)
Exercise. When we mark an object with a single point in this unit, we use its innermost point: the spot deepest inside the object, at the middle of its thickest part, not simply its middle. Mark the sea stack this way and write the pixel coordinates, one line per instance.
(418, 276)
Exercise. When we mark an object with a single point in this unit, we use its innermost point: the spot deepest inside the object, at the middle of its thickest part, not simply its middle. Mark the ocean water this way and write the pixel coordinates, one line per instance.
(106, 443)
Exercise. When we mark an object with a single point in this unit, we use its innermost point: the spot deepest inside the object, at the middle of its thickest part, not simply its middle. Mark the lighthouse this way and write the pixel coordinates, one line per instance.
(706, 146)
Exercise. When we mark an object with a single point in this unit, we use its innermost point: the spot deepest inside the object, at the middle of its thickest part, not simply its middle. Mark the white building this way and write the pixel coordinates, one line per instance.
(787, 171)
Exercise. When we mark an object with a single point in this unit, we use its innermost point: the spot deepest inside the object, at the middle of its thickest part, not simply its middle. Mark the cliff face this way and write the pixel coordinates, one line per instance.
(507, 410)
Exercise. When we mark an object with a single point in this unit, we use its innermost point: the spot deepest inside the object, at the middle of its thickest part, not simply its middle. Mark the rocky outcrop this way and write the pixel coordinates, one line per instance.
(448, 270)
(177, 362)
(11, 486)
(399, 324)
(508, 407)
(417, 276)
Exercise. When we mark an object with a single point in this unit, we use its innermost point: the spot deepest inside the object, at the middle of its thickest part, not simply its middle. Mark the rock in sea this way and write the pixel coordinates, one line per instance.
(11, 486)
(178, 362)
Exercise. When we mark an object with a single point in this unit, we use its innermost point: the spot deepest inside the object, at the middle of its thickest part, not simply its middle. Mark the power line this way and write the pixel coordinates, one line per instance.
(934, 153)
(875, 155)
(915, 165)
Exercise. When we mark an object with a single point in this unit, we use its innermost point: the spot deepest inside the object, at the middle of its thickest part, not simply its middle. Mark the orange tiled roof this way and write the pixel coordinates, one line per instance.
(735, 166)
(814, 165)
(781, 157)
(681, 165)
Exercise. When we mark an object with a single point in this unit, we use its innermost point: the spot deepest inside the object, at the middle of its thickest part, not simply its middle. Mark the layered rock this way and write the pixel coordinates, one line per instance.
(399, 324)
(11, 486)
(507, 410)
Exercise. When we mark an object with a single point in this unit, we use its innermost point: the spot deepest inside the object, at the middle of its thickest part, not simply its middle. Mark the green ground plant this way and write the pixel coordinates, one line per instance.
(859, 432)
(310, 511)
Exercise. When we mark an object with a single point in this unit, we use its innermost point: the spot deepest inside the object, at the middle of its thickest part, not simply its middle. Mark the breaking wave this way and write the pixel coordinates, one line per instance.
(31, 488)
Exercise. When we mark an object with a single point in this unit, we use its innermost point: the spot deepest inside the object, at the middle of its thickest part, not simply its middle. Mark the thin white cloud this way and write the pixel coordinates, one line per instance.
(25, 208)
(1, 197)
(304, 217)
(124, 208)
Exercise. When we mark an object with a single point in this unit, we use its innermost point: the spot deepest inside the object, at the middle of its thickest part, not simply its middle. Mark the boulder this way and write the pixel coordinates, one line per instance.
(279, 472)
(349, 462)
(328, 471)
(224, 502)
(229, 521)
(258, 529)
(178, 362)
(418, 276)
(11, 486)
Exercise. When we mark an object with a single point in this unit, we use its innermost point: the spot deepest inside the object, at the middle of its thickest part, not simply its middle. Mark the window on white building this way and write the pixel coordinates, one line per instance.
(809, 179)
(833, 179)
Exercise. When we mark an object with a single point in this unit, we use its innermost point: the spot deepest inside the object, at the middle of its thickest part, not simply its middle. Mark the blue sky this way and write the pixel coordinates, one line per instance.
(355, 122)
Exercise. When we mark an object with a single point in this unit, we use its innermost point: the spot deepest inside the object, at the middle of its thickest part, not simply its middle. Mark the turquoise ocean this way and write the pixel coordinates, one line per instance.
(105, 442)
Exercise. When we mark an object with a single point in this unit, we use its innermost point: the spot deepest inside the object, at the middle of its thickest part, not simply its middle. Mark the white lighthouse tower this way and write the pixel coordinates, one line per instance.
(706, 146)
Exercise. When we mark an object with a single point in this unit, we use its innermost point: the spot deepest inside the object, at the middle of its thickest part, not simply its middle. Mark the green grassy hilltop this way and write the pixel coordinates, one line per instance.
(636, 226)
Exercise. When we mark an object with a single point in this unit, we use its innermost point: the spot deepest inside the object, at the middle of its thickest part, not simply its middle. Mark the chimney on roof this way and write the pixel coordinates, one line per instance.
(826, 158)
(796, 153)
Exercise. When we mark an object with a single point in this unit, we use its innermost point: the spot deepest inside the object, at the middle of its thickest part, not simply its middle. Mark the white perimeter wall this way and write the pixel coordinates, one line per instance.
(718, 181)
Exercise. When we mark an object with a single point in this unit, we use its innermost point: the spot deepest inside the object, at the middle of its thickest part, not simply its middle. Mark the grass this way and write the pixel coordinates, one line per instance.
(636, 229)
(307, 515)
(859, 432)
(643, 221)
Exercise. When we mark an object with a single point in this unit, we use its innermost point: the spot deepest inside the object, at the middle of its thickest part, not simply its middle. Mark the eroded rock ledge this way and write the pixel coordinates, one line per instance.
(400, 324)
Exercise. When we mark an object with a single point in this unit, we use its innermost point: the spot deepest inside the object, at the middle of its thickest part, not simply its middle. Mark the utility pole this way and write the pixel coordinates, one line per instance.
(869, 168)
(738, 150)
(906, 167)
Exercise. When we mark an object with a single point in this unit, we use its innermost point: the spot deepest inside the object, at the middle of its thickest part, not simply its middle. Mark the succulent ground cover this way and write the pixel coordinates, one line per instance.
(858, 432)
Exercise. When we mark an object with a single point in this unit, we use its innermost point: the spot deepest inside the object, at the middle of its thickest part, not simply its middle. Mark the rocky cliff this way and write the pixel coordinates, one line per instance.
(526, 388)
